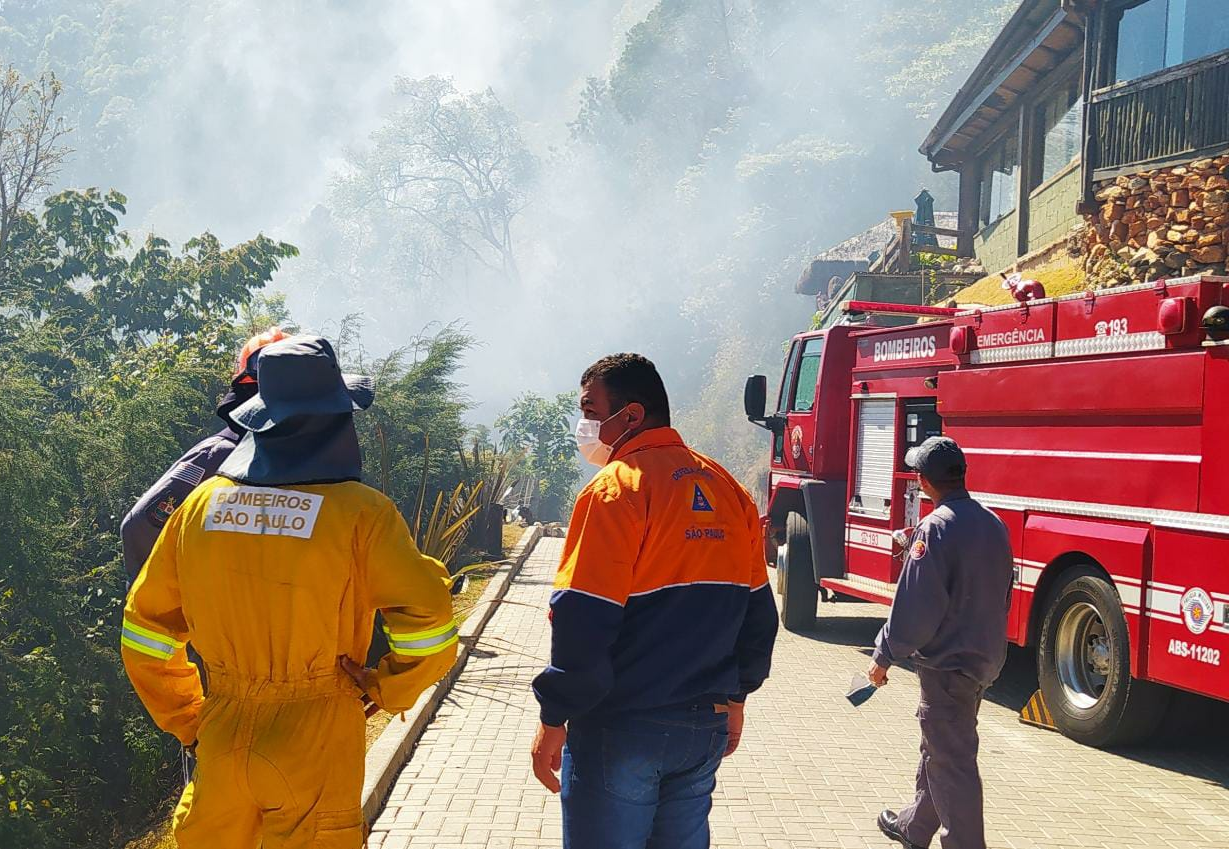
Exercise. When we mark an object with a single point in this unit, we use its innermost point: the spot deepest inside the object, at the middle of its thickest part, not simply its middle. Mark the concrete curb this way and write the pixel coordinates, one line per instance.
(389, 753)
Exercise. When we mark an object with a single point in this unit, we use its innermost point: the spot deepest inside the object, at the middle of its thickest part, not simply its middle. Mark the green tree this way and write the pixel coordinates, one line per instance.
(540, 427)
(928, 50)
(128, 297)
(449, 174)
(678, 72)
(417, 417)
(111, 360)
(264, 310)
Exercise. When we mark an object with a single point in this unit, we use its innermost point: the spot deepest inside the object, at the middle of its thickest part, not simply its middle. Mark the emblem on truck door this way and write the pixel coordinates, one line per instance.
(795, 442)
(1197, 610)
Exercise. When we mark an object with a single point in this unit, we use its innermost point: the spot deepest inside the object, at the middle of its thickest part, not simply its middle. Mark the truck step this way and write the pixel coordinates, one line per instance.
(863, 588)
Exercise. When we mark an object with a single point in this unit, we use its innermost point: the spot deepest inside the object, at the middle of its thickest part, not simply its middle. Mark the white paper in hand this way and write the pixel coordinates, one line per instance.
(860, 689)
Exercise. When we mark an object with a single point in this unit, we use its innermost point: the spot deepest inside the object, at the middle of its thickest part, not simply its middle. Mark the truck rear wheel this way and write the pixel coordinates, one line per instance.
(796, 576)
(1084, 665)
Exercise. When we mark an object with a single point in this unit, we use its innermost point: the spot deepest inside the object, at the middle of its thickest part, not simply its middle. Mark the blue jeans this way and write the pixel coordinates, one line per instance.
(642, 781)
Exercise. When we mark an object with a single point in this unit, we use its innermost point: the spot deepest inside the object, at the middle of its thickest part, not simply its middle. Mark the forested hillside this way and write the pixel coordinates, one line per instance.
(715, 147)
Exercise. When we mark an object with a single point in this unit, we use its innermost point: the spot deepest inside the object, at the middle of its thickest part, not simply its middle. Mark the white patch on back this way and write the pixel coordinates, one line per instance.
(264, 511)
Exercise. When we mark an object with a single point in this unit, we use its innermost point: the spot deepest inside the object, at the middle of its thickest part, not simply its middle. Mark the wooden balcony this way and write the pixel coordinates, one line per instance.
(1163, 119)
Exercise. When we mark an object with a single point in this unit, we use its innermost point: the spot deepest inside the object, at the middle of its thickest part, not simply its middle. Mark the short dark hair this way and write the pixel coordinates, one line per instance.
(631, 378)
(947, 484)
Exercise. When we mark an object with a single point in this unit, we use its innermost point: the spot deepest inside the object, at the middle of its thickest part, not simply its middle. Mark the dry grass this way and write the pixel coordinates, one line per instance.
(512, 535)
(375, 726)
(476, 582)
(1061, 277)
(160, 838)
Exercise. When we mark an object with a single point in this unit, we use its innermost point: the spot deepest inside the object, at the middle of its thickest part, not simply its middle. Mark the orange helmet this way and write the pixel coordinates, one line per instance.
(245, 365)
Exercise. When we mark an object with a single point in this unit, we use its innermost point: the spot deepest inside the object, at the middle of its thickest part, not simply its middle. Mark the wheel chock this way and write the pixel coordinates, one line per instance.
(1036, 713)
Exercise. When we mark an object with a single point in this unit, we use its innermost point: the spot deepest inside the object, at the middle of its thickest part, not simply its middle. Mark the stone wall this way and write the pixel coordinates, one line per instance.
(1165, 223)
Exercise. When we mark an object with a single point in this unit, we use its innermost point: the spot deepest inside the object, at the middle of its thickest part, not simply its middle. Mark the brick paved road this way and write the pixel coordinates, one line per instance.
(812, 771)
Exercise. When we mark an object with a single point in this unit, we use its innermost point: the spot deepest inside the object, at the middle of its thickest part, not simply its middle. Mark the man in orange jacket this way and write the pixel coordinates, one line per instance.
(273, 570)
(662, 624)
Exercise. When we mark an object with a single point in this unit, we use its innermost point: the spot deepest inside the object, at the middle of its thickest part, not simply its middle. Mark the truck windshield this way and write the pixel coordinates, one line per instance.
(808, 376)
(783, 397)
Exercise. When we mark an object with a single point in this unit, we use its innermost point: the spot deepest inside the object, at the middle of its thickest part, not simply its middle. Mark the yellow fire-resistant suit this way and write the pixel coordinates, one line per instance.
(271, 585)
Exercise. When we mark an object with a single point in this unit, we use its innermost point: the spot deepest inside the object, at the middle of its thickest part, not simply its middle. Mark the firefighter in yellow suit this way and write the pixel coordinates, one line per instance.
(274, 570)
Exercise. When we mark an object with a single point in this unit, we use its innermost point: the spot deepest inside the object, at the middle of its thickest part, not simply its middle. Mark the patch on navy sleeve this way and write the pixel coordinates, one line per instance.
(918, 551)
(189, 473)
(162, 510)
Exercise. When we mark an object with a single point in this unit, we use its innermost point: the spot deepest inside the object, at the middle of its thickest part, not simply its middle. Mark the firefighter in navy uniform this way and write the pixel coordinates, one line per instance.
(145, 520)
(950, 617)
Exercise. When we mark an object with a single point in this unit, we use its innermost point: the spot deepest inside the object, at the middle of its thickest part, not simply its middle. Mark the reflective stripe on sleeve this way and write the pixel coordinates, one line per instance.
(422, 643)
(149, 642)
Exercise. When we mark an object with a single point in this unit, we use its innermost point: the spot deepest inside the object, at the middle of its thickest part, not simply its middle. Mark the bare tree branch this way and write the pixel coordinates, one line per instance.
(31, 144)
(456, 165)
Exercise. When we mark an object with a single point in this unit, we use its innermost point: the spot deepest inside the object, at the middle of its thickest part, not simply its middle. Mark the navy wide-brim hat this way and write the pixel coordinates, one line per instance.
(300, 376)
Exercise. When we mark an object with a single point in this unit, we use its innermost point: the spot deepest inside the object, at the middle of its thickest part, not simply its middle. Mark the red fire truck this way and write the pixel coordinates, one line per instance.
(1096, 425)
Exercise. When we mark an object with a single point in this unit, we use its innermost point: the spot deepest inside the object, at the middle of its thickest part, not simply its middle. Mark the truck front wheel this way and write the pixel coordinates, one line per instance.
(796, 576)
(1084, 665)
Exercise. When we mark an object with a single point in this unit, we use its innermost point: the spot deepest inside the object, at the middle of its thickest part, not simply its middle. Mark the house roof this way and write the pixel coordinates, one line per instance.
(853, 254)
(1039, 37)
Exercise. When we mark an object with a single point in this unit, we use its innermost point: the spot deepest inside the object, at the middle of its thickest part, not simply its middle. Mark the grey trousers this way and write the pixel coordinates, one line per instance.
(949, 791)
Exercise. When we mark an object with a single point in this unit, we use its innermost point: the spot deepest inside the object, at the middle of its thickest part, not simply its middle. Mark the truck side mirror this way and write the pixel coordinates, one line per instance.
(755, 398)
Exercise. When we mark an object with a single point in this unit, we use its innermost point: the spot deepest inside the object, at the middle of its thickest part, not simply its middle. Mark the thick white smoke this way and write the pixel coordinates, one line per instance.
(238, 117)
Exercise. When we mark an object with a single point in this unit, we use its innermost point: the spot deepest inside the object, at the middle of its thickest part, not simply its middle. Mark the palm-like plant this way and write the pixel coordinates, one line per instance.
(442, 534)
(490, 469)
(445, 531)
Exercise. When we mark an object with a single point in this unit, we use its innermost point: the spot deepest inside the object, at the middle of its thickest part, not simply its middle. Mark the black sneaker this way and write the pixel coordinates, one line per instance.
(888, 825)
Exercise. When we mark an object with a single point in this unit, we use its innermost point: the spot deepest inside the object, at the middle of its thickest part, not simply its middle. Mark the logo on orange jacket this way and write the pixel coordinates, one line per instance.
(700, 502)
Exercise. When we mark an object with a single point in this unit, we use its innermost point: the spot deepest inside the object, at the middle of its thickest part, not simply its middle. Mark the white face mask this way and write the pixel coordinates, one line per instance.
(589, 440)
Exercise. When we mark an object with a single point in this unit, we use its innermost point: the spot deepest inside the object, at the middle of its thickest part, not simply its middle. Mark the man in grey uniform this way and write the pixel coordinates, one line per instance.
(950, 617)
(141, 527)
